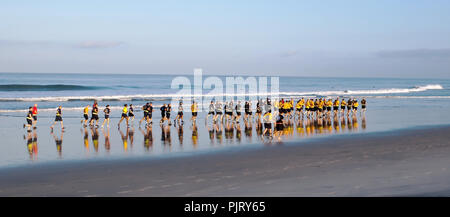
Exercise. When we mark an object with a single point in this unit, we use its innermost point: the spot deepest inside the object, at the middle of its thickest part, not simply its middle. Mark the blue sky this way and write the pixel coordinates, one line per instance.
(395, 38)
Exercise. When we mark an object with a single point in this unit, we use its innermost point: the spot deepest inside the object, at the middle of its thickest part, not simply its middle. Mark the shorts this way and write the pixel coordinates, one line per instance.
(163, 115)
(35, 117)
(29, 122)
(210, 113)
(320, 109)
(180, 113)
(85, 116)
(229, 113)
(279, 127)
(95, 117)
(149, 115)
(342, 107)
(356, 108)
(145, 114)
(194, 114)
(335, 108)
(248, 113)
(328, 108)
(258, 111)
(348, 107)
(363, 106)
(268, 125)
(282, 111)
(167, 115)
(106, 116)
(130, 115)
(218, 113)
(58, 118)
(124, 115)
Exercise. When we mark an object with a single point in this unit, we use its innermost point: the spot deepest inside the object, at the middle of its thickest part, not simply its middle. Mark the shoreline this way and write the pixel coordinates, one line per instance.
(307, 168)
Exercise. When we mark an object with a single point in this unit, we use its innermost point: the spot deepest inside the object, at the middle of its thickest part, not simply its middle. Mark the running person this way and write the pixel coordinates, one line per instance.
(180, 114)
(94, 116)
(211, 111)
(336, 106)
(85, 115)
(258, 109)
(279, 126)
(248, 111)
(34, 113)
(238, 109)
(194, 110)
(355, 106)
(163, 113)
(145, 117)
(107, 111)
(349, 106)
(150, 113)
(58, 118)
(363, 105)
(267, 118)
(131, 113)
(218, 108)
(29, 119)
(343, 105)
(168, 110)
(124, 115)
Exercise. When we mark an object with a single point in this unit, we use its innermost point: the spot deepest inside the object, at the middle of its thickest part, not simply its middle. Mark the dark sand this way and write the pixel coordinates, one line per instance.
(398, 163)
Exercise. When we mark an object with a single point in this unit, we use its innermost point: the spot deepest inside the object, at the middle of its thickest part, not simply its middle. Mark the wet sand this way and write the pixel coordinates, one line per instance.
(411, 162)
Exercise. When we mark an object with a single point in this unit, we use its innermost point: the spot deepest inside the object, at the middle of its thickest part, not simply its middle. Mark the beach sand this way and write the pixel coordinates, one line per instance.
(397, 163)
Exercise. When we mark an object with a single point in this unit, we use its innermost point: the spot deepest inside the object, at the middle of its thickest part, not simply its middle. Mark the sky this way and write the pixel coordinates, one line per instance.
(371, 38)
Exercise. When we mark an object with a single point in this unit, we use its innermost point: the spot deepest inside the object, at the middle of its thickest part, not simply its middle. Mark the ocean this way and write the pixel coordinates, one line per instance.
(393, 103)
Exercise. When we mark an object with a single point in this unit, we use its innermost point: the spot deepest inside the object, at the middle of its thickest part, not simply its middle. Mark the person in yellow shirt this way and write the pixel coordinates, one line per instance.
(336, 106)
(85, 115)
(194, 110)
(343, 105)
(321, 104)
(124, 115)
(329, 104)
(355, 106)
(267, 118)
(299, 108)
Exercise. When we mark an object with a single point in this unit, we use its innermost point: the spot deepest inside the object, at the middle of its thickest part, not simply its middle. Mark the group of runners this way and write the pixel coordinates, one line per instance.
(266, 112)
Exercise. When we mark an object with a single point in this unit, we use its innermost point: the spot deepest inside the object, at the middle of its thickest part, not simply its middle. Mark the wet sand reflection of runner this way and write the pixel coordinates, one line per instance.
(148, 138)
(58, 142)
(107, 141)
(32, 146)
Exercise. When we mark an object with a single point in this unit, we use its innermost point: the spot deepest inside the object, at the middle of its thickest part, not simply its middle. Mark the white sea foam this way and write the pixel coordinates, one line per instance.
(162, 97)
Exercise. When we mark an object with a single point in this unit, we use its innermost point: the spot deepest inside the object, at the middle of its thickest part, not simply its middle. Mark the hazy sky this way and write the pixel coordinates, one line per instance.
(379, 38)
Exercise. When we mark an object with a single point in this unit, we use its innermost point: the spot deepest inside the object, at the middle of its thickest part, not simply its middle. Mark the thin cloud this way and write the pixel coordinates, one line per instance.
(415, 53)
(99, 44)
(289, 53)
(21, 43)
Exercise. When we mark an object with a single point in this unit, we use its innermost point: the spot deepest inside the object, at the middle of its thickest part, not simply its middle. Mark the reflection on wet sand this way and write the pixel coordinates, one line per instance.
(32, 146)
(166, 138)
(107, 142)
(194, 135)
(129, 134)
(94, 133)
(148, 138)
(58, 141)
